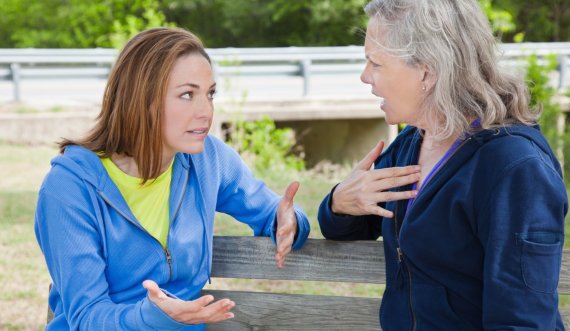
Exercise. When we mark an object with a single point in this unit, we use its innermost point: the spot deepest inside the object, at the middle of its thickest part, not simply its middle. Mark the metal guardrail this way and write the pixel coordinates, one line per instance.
(19, 64)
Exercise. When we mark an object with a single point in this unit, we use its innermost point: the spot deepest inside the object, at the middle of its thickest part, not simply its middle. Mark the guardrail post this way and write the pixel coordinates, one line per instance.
(306, 72)
(563, 63)
(15, 68)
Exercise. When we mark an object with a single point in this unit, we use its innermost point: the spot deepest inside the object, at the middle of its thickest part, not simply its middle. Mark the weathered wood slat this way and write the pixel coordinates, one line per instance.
(321, 260)
(564, 282)
(293, 312)
(565, 313)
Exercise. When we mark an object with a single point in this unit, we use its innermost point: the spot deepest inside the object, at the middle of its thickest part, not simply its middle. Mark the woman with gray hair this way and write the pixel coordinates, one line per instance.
(469, 198)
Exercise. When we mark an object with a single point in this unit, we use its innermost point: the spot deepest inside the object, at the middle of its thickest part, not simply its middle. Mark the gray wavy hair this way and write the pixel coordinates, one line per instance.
(454, 40)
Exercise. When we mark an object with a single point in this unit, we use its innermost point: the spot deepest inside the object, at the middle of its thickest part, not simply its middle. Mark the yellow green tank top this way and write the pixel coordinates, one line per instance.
(148, 202)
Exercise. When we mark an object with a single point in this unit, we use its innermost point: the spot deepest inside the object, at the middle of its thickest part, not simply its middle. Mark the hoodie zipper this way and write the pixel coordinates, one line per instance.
(399, 251)
(402, 264)
(165, 249)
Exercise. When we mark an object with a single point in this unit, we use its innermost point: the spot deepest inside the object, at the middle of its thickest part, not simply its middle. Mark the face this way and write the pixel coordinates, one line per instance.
(398, 83)
(188, 105)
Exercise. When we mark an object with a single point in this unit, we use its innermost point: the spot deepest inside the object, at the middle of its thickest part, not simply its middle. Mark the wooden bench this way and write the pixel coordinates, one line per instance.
(319, 260)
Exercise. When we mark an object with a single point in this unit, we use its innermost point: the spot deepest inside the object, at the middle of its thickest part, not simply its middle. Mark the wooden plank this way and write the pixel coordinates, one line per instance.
(322, 260)
(325, 260)
(564, 282)
(291, 312)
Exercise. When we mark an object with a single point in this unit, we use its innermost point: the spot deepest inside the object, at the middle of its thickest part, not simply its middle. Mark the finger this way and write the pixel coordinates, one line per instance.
(368, 160)
(394, 196)
(375, 210)
(154, 292)
(284, 240)
(280, 260)
(213, 312)
(280, 256)
(395, 172)
(203, 300)
(393, 182)
(217, 310)
(221, 317)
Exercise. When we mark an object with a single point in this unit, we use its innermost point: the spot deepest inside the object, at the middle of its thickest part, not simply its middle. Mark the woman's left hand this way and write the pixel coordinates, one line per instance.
(286, 224)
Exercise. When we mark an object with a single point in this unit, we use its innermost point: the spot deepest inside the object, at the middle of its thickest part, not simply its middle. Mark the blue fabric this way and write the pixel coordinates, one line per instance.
(481, 245)
(98, 255)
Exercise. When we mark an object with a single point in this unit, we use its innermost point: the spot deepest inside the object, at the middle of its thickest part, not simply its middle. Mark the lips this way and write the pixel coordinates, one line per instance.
(198, 131)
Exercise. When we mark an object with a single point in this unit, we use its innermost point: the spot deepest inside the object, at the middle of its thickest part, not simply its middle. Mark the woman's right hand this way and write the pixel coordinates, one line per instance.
(198, 311)
(360, 193)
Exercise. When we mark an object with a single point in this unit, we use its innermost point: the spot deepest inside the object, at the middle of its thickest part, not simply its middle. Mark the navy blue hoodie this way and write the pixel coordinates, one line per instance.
(481, 246)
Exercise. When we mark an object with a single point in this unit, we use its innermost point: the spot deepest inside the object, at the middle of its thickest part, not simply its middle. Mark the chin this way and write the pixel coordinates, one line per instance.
(193, 149)
(390, 121)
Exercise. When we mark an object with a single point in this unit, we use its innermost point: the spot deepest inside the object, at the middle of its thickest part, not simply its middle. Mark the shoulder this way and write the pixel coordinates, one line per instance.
(515, 144)
(521, 150)
(75, 167)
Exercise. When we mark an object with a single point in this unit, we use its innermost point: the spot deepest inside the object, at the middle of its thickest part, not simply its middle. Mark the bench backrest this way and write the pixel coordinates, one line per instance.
(319, 260)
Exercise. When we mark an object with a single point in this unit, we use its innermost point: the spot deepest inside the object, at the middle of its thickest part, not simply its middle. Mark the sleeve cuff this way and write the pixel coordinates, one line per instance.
(329, 203)
(303, 229)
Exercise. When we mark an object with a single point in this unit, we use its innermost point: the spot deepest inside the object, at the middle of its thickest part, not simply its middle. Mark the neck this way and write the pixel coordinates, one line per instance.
(128, 165)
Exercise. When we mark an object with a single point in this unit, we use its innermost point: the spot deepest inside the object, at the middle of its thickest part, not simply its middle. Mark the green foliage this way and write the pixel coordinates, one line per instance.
(270, 23)
(133, 24)
(501, 20)
(542, 95)
(242, 23)
(75, 23)
(266, 147)
(537, 20)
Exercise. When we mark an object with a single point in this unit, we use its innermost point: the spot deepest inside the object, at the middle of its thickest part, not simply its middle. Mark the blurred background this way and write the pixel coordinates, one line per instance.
(290, 101)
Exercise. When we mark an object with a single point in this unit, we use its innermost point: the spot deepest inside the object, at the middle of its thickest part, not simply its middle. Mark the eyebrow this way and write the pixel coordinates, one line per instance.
(195, 85)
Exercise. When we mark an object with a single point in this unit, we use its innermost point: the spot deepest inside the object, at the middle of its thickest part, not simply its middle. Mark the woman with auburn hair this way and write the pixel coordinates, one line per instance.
(125, 215)
(469, 198)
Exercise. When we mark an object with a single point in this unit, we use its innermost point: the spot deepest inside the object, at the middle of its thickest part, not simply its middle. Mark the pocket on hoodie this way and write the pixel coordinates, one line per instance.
(541, 258)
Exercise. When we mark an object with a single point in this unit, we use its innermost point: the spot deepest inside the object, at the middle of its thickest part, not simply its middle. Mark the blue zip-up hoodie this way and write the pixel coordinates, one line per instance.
(481, 246)
(98, 254)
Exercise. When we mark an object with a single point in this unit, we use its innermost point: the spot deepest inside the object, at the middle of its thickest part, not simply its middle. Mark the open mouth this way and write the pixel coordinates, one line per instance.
(198, 131)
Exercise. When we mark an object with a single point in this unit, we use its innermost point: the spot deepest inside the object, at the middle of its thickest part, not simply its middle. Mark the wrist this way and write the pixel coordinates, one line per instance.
(334, 207)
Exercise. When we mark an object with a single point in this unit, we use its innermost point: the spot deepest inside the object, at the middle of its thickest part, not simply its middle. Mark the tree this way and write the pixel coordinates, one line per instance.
(270, 23)
(75, 23)
(538, 20)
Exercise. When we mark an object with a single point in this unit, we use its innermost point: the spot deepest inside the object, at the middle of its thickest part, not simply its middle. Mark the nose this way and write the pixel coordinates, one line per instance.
(365, 75)
(205, 109)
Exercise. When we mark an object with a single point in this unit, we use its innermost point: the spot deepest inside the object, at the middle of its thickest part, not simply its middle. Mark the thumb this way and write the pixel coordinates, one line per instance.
(154, 292)
(369, 159)
(291, 191)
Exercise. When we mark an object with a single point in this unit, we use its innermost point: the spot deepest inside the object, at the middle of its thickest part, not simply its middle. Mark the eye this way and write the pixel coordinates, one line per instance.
(374, 64)
(211, 94)
(187, 95)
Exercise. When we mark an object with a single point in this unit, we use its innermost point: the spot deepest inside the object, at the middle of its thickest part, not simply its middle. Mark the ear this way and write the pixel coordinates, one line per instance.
(427, 77)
